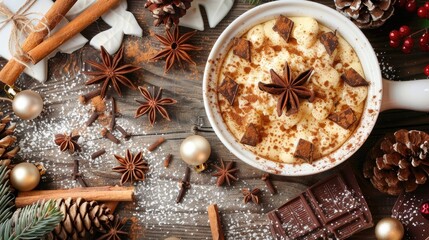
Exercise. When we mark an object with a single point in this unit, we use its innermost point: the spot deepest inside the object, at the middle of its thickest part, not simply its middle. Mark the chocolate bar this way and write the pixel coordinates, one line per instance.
(332, 208)
(407, 210)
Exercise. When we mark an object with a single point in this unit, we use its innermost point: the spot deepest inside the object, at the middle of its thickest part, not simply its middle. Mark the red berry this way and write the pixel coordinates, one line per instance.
(408, 42)
(404, 31)
(426, 5)
(424, 41)
(401, 3)
(427, 70)
(406, 49)
(422, 12)
(394, 44)
(395, 35)
(411, 6)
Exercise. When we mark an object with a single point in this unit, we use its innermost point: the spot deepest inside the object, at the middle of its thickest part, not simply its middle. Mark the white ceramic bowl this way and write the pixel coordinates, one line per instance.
(352, 34)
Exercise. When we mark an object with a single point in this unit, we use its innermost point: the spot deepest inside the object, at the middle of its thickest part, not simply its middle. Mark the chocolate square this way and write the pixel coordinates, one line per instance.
(228, 89)
(251, 136)
(333, 208)
(304, 150)
(407, 210)
(283, 27)
(330, 41)
(242, 48)
(353, 78)
(345, 118)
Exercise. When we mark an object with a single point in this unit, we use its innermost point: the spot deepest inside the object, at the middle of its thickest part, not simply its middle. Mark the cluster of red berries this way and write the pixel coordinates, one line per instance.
(404, 38)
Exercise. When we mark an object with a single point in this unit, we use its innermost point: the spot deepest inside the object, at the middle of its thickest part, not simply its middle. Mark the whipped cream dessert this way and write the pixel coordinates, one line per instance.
(291, 90)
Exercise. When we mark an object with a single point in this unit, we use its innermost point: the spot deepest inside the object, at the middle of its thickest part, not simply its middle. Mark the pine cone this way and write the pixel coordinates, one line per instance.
(167, 11)
(7, 141)
(81, 219)
(366, 13)
(399, 162)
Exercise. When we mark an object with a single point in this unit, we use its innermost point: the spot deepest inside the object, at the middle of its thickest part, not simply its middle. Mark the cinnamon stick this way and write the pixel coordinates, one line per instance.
(100, 194)
(53, 16)
(215, 225)
(83, 20)
(156, 144)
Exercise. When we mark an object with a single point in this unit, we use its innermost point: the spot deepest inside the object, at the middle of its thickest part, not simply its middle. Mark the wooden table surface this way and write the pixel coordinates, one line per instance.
(155, 214)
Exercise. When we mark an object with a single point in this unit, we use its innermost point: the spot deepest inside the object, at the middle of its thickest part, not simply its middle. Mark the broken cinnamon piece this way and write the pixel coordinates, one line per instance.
(242, 48)
(251, 136)
(167, 160)
(304, 150)
(345, 118)
(353, 78)
(329, 41)
(156, 144)
(229, 89)
(98, 153)
(283, 27)
(215, 223)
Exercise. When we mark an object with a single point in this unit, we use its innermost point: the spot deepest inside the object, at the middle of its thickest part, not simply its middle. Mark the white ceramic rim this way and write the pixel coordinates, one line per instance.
(328, 17)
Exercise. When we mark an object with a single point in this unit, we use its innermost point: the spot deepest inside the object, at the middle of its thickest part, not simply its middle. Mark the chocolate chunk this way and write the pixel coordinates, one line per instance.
(229, 89)
(242, 48)
(345, 118)
(304, 150)
(407, 210)
(251, 136)
(330, 41)
(353, 78)
(283, 27)
(333, 208)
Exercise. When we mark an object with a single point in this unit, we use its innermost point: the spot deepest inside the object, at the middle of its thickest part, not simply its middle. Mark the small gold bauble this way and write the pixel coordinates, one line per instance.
(389, 229)
(24, 176)
(195, 150)
(27, 104)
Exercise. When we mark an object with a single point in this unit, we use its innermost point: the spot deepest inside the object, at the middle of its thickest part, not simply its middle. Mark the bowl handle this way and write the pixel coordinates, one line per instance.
(411, 95)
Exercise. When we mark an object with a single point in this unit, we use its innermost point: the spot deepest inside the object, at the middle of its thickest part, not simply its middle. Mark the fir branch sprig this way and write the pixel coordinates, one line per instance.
(6, 196)
(31, 222)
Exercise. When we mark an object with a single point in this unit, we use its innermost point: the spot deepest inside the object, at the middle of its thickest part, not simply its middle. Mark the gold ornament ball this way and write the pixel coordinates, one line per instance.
(27, 104)
(195, 150)
(24, 177)
(389, 229)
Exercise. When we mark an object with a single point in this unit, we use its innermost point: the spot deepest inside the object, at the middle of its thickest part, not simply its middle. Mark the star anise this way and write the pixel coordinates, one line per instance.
(154, 103)
(111, 72)
(225, 173)
(175, 48)
(251, 195)
(113, 230)
(67, 142)
(290, 90)
(132, 168)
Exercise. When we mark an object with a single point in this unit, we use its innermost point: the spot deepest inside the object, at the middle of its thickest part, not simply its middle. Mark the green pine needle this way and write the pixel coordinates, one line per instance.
(31, 222)
(6, 196)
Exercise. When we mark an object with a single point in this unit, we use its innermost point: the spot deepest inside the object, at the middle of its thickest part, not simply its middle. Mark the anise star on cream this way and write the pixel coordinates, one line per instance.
(175, 48)
(225, 173)
(111, 72)
(289, 89)
(67, 142)
(154, 103)
(132, 168)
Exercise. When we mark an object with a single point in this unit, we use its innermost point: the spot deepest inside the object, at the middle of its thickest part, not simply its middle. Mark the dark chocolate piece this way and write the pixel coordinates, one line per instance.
(353, 78)
(345, 118)
(283, 27)
(229, 89)
(304, 150)
(333, 208)
(242, 48)
(251, 136)
(407, 210)
(330, 41)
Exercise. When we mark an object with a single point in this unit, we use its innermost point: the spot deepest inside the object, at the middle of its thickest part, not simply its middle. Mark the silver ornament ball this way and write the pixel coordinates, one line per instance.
(27, 104)
(195, 150)
(389, 229)
(24, 176)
